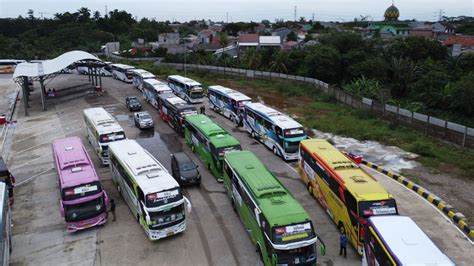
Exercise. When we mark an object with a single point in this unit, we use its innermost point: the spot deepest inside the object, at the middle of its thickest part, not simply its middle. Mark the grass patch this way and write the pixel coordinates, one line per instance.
(325, 114)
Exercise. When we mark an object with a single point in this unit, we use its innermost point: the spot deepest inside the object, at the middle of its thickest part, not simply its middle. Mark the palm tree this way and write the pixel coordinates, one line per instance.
(223, 39)
(279, 62)
(403, 74)
(252, 59)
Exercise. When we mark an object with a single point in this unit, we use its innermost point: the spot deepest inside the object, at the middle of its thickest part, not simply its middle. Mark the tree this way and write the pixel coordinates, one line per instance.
(323, 63)
(223, 39)
(463, 95)
(96, 15)
(84, 14)
(363, 87)
(402, 75)
(373, 67)
(292, 36)
(279, 62)
(252, 59)
(418, 49)
(432, 85)
(31, 14)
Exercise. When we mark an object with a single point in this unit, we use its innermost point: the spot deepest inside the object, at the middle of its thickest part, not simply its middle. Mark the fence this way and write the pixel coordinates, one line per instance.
(442, 129)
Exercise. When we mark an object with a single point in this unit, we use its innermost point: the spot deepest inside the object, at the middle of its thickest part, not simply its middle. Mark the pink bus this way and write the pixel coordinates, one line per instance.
(83, 201)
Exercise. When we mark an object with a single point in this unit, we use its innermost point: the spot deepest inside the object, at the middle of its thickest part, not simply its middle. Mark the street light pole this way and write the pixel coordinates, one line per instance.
(185, 53)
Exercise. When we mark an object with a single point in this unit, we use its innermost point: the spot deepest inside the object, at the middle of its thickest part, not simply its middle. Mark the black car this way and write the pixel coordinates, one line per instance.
(133, 104)
(184, 170)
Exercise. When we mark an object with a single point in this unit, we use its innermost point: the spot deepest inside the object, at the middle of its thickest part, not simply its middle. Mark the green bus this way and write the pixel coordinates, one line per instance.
(278, 226)
(209, 141)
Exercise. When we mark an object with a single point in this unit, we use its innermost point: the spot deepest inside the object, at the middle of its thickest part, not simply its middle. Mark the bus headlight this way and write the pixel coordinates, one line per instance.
(98, 207)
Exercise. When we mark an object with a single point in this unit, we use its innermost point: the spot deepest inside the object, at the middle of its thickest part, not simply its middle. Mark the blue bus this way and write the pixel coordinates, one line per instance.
(277, 131)
(228, 102)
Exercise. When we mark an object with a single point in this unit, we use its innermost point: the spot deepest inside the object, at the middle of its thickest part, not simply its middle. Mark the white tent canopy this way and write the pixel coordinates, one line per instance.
(52, 66)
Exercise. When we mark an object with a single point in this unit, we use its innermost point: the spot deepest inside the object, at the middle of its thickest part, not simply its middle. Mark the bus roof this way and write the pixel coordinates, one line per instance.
(102, 120)
(145, 74)
(407, 242)
(157, 85)
(279, 119)
(232, 94)
(74, 164)
(184, 80)
(123, 66)
(146, 170)
(218, 136)
(274, 200)
(360, 183)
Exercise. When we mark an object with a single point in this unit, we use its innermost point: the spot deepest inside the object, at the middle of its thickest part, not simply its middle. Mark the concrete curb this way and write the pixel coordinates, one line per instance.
(447, 209)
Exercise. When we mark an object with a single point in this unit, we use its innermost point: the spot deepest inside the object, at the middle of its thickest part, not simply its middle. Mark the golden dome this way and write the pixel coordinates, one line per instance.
(391, 13)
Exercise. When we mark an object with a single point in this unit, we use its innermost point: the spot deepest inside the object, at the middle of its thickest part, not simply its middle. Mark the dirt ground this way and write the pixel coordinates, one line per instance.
(452, 185)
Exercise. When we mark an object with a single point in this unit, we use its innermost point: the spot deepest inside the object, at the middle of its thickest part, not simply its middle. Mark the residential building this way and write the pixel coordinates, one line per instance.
(168, 38)
(281, 32)
(459, 44)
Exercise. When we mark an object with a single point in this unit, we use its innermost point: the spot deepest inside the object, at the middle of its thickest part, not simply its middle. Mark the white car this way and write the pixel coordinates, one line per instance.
(143, 120)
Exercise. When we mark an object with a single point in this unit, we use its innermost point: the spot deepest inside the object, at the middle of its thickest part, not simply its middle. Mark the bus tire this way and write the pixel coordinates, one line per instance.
(254, 136)
(193, 149)
(259, 251)
(310, 189)
(275, 151)
(119, 190)
(232, 202)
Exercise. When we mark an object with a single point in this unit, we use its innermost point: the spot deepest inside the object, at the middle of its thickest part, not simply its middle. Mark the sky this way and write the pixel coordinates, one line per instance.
(246, 10)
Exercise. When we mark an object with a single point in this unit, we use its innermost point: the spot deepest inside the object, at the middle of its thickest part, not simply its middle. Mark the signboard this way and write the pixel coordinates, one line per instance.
(291, 233)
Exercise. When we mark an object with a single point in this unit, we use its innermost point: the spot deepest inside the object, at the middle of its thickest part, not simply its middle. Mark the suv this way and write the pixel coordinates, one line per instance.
(133, 104)
(184, 170)
(143, 120)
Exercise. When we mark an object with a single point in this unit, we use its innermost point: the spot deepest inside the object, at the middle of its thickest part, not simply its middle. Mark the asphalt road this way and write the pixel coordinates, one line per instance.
(214, 234)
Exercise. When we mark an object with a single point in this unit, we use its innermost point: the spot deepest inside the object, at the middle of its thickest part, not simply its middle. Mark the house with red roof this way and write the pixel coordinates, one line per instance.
(459, 44)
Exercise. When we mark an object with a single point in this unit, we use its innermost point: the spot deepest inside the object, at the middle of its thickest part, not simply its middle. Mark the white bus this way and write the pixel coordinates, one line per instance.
(8, 66)
(102, 129)
(188, 89)
(277, 131)
(397, 240)
(152, 194)
(122, 72)
(152, 88)
(139, 76)
(228, 102)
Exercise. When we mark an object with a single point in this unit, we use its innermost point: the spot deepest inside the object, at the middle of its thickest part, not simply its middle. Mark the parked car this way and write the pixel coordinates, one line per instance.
(133, 104)
(143, 120)
(184, 170)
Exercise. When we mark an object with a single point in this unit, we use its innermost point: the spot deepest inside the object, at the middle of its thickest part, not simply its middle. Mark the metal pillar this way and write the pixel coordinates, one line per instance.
(95, 74)
(43, 97)
(89, 73)
(100, 80)
(92, 76)
(25, 95)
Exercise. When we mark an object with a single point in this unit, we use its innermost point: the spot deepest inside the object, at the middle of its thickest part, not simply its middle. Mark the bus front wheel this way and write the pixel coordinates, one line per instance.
(193, 149)
(259, 251)
(275, 151)
(310, 189)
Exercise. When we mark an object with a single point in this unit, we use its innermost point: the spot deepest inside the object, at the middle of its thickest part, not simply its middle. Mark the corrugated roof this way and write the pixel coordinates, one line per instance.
(248, 38)
(466, 41)
(52, 66)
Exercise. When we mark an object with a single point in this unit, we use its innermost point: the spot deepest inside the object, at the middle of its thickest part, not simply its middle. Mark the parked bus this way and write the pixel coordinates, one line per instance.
(102, 129)
(5, 220)
(122, 72)
(280, 228)
(152, 88)
(105, 71)
(277, 131)
(8, 66)
(7, 178)
(139, 76)
(228, 102)
(188, 89)
(397, 240)
(83, 200)
(348, 193)
(152, 194)
(173, 110)
(210, 141)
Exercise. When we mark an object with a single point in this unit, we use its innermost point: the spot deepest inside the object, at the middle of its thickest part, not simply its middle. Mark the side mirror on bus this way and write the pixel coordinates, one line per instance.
(188, 204)
(106, 198)
(322, 246)
(61, 208)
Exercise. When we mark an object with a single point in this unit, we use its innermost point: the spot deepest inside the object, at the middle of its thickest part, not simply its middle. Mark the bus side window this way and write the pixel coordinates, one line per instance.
(228, 171)
(380, 255)
(278, 131)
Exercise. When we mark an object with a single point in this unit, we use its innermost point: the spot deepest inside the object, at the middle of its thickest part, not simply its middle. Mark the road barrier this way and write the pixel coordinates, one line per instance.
(447, 209)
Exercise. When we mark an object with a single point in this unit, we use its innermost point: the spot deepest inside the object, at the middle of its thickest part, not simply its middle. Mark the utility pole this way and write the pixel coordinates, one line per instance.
(106, 11)
(227, 17)
(295, 15)
(312, 18)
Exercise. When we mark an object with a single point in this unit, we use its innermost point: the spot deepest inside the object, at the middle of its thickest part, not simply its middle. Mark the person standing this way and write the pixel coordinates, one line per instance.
(343, 243)
(203, 109)
(112, 208)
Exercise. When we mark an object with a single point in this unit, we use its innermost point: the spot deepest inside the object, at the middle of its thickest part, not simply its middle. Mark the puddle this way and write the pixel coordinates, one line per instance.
(161, 146)
(390, 157)
(122, 118)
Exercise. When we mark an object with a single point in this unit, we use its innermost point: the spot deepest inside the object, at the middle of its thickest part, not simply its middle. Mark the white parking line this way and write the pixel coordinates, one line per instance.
(32, 177)
(30, 148)
(293, 169)
(30, 161)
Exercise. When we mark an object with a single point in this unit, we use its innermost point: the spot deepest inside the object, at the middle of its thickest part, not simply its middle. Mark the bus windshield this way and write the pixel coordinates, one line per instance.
(185, 112)
(80, 191)
(163, 198)
(373, 208)
(294, 132)
(292, 233)
(303, 255)
(104, 138)
(164, 218)
(291, 146)
(85, 210)
(196, 93)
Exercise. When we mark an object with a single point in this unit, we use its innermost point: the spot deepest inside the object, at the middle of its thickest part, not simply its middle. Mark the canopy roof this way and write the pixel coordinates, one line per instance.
(52, 66)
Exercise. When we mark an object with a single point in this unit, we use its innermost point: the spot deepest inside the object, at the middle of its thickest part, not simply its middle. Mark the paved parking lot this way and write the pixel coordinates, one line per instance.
(214, 234)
